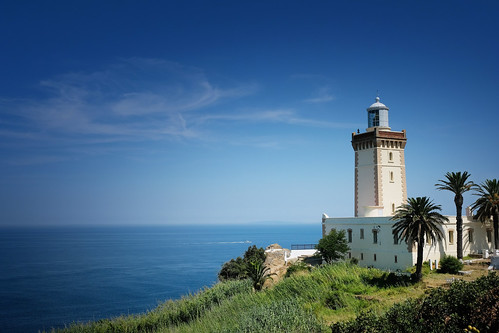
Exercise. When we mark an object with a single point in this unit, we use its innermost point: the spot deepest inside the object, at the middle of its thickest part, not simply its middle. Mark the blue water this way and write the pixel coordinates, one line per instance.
(53, 276)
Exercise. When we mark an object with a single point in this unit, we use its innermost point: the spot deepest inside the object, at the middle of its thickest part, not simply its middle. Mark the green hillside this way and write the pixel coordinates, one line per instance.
(304, 302)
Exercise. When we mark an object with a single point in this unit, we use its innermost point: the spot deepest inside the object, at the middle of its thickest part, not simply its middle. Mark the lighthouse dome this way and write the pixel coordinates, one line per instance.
(377, 116)
(377, 106)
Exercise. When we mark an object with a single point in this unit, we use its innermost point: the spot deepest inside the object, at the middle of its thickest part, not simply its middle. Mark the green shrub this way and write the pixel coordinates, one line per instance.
(450, 265)
(440, 311)
(299, 266)
(333, 246)
(237, 269)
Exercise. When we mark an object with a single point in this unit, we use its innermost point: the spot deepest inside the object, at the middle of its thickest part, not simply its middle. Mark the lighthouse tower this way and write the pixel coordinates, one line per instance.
(380, 184)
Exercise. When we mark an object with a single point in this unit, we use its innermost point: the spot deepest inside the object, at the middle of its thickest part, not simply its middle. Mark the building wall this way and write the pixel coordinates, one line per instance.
(365, 181)
(380, 254)
(385, 248)
(380, 183)
(448, 246)
(392, 179)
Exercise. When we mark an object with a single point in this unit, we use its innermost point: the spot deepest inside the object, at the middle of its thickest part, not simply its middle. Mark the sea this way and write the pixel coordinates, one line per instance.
(51, 277)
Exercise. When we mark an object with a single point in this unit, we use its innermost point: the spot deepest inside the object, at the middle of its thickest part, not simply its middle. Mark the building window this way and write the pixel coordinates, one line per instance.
(489, 235)
(349, 235)
(349, 255)
(451, 236)
(395, 238)
(470, 236)
(428, 240)
(391, 176)
(362, 256)
(362, 233)
(375, 257)
(393, 208)
(375, 236)
(390, 157)
(396, 259)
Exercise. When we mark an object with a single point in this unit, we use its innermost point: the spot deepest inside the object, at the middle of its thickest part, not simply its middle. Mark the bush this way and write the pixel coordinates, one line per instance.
(465, 304)
(237, 269)
(450, 265)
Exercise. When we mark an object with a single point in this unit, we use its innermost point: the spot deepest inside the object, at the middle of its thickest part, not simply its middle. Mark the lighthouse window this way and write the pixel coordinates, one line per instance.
(373, 118)
(390, 157)
(391, 176)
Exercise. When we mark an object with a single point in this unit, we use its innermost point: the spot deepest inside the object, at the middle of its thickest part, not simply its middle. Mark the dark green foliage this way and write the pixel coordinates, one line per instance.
(336, 299)
(387, 280)
(487, 205)
(440, 311)
(237, 269)
(354, 261)
(450, 265)
(486, 313)
(258, 274)
(333, 246)
(299, 266)
(254, 254)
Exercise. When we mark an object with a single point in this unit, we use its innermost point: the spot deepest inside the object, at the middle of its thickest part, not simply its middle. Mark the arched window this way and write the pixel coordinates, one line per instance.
(391, 176)
(390, 157)
(393, 208)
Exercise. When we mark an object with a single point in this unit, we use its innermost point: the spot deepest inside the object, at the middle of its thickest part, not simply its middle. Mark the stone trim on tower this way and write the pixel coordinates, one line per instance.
(356, 184)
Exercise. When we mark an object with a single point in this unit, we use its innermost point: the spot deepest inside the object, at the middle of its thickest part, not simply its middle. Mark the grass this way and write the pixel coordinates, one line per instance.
(303, 302)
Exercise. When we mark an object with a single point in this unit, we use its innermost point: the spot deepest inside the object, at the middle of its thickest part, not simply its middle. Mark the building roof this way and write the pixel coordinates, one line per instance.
(377, 106)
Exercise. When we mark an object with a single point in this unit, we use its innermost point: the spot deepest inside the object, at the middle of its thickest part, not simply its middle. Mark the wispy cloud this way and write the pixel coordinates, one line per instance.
(323, 95)
(285, 116)
(135, 99)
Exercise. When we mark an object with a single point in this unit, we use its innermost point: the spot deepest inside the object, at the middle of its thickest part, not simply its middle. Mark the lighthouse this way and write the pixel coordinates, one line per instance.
(380, 183)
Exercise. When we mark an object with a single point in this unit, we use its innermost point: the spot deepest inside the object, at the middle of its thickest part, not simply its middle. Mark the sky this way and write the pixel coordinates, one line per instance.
(231, 112)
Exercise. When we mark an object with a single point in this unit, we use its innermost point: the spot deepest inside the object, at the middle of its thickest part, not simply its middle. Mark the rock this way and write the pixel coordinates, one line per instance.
(276, 261)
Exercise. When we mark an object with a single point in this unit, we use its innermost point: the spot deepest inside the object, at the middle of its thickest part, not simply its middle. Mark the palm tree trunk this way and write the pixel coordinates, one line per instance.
(419, 260)
(458, 200)
(495, 220)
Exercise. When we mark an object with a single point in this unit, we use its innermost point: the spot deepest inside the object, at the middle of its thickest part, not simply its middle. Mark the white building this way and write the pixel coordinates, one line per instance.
(380, 187)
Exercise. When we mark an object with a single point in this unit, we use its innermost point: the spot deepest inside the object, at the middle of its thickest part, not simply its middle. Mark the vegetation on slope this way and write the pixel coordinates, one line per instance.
(340, 297)
(305, 302)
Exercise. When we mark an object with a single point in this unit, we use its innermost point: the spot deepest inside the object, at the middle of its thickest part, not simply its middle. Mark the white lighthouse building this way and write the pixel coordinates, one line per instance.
(380, 184)
(380, 187)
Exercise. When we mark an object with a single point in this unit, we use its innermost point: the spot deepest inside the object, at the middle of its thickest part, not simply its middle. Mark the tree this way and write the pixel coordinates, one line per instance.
(487, 205)
(333, 246)
(458, 184)
(237, 269)
(417, 219)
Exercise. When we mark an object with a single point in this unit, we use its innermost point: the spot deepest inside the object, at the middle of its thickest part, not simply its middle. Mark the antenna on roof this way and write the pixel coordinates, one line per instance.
(377, 93)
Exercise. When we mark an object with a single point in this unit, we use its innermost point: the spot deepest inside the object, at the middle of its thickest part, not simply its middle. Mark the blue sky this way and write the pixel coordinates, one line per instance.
(205, 112)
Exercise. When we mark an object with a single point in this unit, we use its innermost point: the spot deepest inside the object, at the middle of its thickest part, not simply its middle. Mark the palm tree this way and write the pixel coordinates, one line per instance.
(258, 273)
(457, 183)
(487, 205)
(417, 219)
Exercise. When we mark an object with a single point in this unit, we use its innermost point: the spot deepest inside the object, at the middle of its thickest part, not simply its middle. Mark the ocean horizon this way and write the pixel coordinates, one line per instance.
(53, 276)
